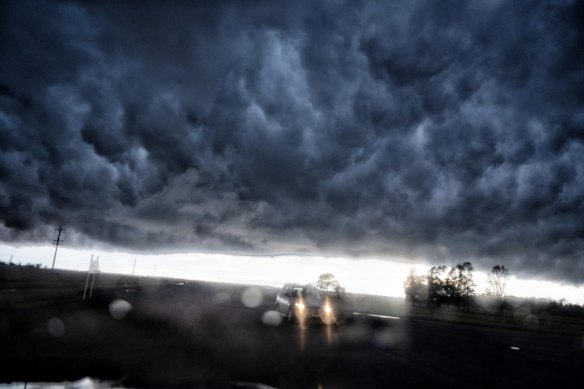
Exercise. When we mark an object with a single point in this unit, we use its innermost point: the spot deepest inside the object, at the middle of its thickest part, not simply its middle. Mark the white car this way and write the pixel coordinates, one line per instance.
(303, 304)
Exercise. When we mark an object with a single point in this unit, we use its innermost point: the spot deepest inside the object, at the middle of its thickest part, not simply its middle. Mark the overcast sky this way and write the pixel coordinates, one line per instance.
(434, 131)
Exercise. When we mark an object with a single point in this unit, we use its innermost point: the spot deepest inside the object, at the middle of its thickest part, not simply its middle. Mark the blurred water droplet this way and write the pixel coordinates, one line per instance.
(119, 309)
(384, 338)
(252, 297)
(531, 321)
(355, 333)
(271, 318)
(192, 315)
(221, 298)
(56, 327)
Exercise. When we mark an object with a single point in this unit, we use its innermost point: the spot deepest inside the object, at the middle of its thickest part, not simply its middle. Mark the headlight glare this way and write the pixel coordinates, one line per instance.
(328, 309)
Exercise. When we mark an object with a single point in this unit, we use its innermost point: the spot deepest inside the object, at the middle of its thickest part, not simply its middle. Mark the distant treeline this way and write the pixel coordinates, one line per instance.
(33, 265)
(531, 306)
(454, 287)
(441, 287)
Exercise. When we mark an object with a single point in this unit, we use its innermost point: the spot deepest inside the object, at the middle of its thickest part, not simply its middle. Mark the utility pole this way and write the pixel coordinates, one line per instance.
(88, 273)
(57, 243)
(134, 268)
(93, 279)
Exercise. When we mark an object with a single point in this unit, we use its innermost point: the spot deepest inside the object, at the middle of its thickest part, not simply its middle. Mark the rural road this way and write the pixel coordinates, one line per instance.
(202, 335)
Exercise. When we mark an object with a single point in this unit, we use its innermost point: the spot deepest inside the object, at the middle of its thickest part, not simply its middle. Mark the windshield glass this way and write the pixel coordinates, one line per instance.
(298, 292)
(292, 194)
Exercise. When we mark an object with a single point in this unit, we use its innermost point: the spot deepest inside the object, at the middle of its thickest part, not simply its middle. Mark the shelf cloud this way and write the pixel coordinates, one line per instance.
(443, 131)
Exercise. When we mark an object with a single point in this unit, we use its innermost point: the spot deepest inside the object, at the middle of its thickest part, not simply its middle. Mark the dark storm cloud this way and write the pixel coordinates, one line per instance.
(435, 130)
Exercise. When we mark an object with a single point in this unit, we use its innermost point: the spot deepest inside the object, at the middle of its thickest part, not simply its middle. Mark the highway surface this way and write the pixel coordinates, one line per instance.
(165, 334)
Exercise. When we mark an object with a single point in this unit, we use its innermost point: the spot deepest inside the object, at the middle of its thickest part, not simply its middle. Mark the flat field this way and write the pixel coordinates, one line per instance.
(149, 332)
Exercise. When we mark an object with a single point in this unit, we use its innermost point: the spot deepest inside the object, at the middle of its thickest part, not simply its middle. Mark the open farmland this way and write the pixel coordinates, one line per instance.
(162, 332)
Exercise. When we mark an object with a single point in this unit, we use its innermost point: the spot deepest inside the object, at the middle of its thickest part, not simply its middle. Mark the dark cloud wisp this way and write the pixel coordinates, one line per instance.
(442, 131)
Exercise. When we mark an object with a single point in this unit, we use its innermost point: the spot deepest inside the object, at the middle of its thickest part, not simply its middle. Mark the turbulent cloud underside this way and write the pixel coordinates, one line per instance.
(443, 131)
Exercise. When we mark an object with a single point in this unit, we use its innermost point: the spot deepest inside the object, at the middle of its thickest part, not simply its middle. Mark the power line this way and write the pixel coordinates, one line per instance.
(57, 243)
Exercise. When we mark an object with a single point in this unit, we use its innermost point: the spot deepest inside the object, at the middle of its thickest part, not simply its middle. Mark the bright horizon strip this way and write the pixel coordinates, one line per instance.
(365, 276)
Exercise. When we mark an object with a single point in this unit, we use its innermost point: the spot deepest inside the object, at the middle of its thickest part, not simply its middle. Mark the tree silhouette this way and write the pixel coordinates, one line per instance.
(455, 287)
(460, 285)
(328, 284)
(437, 294)
(497, 280)
(416, 288)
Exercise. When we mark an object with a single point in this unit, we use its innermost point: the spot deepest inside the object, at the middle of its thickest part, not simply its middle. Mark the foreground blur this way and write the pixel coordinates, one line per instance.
(149, 332)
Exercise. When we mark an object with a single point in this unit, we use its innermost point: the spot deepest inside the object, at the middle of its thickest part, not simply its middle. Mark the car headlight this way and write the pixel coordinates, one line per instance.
(328, 310)
(300, 306)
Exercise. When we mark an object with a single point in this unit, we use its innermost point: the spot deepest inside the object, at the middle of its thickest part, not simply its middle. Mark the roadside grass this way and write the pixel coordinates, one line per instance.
(519, 319)
(28, 288)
